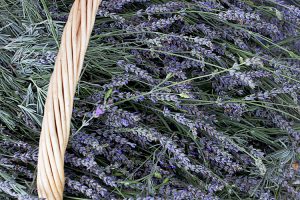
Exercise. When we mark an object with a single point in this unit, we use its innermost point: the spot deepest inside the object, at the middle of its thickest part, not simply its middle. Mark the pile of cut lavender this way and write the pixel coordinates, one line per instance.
(193, 99)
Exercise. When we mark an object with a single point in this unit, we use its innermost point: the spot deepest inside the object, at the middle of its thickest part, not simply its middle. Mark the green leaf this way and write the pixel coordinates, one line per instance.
(185, 96)
(157, 175)
(261, 166)
(166, 180)
(279, 14)
(107, 94)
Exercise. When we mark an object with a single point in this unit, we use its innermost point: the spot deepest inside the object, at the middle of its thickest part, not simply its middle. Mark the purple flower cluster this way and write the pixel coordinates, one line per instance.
(171, 6)
(78, 186)
(189, 193)
(220, 157)
(121, 118)
(140, 73)
(239, 15)
(92, 183)
(7, 187)
(115, 5)
(87, 162)
(117, 82)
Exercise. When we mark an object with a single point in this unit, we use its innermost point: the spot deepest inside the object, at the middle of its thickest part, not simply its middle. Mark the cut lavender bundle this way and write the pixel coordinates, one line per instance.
(178, 100)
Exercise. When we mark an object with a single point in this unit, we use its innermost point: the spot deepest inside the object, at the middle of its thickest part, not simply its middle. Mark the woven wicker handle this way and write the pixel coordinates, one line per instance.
(59, 104)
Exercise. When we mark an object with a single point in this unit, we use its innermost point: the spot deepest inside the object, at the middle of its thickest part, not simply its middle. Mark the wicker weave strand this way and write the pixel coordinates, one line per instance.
(59, 103)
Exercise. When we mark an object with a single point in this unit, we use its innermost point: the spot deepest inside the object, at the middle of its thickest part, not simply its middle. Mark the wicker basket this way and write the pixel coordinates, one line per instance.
(58, 108)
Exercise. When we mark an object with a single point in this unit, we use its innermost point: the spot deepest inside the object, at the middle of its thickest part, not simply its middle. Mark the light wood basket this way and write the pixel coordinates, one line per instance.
(59, 103)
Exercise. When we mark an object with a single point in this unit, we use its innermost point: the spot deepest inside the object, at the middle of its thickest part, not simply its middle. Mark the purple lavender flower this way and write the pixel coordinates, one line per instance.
(189, 192)
(48, 58)
(264, 28)
(180, 158)
(202, 125)
(244, 79)
(96, 97)
(182, 120)
(120, 118)
(234, 110)
(164, 8)
(208, 31)
(115, 5)
(156, 24)
(18, 145)
(280, 122)
(137, 71)
(87, 162)
(100, 172)
(116, 138)
(236, 78)
(231, 33)
(99, 111)
(6, 187)
(239, 15)
(88, 140)
(30, 156)
(201, 52)
(136, 96)
(114, 16)
(208, 6)
(124, 122)
(93, 184)
(116, 156)
(220, 157)
(117, 82)
(154, 97)
(165, 23)
(81, 149)
(27, 197)
(83, 189)
(266, 196)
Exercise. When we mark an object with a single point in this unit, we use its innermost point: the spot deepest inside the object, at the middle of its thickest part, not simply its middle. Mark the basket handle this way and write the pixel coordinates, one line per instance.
(59, 103)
